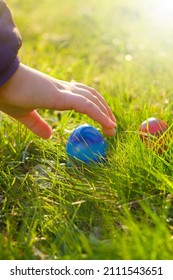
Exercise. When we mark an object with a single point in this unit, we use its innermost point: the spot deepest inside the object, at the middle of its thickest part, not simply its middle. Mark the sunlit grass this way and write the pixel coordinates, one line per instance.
(122, 209)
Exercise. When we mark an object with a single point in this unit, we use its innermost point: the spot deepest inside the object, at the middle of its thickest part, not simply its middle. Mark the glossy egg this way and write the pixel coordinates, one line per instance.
(87, 145)
(152, 131)
(154, 126)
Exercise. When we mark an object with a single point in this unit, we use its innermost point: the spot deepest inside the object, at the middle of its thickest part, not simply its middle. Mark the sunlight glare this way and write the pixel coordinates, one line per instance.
(163, 10)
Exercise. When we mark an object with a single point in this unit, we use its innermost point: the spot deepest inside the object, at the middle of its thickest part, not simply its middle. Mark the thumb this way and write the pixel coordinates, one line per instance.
(36, 124)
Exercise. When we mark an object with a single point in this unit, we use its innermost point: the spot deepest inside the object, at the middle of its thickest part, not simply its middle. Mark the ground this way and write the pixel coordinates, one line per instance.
(121, 209)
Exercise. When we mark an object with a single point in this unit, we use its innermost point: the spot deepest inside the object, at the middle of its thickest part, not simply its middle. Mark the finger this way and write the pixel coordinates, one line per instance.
(36, 124)
(100, 97)
(85, 106)
(109, 132)
(88, 95)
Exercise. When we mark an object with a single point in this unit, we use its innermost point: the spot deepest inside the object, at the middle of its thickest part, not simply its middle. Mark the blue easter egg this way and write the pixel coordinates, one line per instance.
(86, 144)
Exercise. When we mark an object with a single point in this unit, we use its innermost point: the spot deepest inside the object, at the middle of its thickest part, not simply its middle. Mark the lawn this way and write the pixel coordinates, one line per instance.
(121, 209)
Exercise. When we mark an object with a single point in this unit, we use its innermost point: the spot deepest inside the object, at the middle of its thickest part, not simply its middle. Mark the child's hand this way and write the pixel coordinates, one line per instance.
(29, 90)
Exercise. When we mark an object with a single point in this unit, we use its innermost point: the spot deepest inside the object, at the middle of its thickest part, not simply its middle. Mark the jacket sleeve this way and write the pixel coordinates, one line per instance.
(10, 42)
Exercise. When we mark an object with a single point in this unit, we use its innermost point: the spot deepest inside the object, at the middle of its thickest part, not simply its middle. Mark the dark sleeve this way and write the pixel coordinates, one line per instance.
(10, 42)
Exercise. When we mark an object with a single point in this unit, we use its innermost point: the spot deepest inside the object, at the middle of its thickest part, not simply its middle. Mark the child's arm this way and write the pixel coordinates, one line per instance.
(23, 89)
(10, 42)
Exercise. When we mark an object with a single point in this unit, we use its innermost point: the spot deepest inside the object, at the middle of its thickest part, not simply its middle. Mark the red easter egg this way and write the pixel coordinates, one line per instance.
(152, 133)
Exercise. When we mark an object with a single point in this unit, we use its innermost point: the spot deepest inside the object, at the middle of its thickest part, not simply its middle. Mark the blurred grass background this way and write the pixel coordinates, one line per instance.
(120, 210)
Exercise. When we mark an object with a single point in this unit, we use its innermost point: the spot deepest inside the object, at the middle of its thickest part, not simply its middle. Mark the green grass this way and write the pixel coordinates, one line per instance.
(118, 210)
